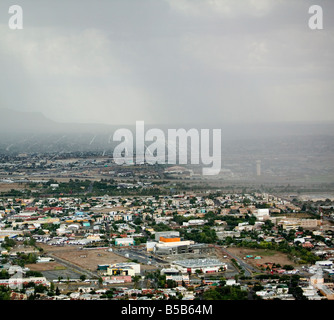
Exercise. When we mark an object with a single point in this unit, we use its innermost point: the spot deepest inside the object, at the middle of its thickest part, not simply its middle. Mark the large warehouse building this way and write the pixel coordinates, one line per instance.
(170, 243)
(203, 265)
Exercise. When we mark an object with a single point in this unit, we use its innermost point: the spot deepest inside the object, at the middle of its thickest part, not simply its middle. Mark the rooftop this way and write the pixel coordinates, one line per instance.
(193, 263)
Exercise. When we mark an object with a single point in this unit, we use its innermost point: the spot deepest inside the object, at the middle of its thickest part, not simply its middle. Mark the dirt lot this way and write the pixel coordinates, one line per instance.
(86, 259)
(266, 256)
(45, 266)
(9, 186)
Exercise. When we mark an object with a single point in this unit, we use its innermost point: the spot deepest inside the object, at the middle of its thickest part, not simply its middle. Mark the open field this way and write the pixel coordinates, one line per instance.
(45, 266)
(86, 259)
(267, 256)
(9, 186)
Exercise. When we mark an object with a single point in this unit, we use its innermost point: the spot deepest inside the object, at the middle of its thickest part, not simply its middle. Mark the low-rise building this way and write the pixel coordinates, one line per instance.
(202, 265)
(124, 242)
(179, 279)
(123, 269)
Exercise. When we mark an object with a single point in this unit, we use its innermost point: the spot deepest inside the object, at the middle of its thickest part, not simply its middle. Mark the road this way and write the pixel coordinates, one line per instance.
(249, 270)
(143, 257)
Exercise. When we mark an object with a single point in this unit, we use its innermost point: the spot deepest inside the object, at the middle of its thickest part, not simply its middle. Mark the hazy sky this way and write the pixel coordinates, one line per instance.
(168, 61)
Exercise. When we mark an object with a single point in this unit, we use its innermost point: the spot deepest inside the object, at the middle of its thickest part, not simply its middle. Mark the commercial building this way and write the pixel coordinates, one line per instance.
(18, 282)
(120, 269)
(261, 214)
(11, 234)
(173, 247)
(170, 239)
(166, 234)
(170, 272)
(117, 279)
(291, 223)
(179, 279)
(327, 290)
(203, 265)
(124, 242)
(194, 222)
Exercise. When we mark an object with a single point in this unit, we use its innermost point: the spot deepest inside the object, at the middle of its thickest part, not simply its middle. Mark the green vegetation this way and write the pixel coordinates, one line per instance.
(303, 255)
(204, 235)
(161, 227)
(86, 187)
(4, 293)
(225, 293)
(22, 259)
(31, 273)
(109, 294)
(4, 274)
(8, 243)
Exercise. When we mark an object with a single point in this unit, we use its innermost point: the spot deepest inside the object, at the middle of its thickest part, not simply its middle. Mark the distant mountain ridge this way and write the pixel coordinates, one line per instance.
(12, 121)
(16, 122)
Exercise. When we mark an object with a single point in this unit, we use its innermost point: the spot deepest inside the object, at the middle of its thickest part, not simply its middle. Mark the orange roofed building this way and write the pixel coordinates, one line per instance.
(170, 239)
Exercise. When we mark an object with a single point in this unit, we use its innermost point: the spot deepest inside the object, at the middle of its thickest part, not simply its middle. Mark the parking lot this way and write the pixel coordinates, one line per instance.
(148, 261)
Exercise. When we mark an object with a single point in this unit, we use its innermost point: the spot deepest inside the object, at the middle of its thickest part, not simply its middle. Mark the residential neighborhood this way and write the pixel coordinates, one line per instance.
(183, 246)
(166, 158)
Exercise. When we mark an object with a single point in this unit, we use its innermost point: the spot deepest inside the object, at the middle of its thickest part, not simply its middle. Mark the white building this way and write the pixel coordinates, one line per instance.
(324, 264)
(311, 293)
(194, 222)
(204, 265)
(261, 214)
(124, 242)
(124, 269)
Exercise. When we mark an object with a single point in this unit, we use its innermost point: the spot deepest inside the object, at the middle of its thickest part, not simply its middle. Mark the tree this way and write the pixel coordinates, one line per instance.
(8, 243)
(52, 286)
(171, 283)
(225, 293)
(135, 280)
(4, 293)
(4, 274)
(39, 288)
(288, 267)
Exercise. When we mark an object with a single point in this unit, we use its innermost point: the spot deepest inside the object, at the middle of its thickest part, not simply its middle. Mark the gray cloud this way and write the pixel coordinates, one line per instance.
(168, 61)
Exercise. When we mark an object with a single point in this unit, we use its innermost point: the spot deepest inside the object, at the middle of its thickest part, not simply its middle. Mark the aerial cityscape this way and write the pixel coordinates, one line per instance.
(171, 151)
(82, 227)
